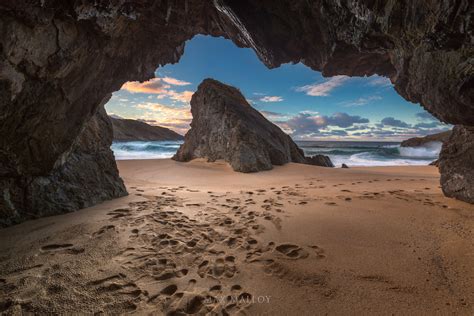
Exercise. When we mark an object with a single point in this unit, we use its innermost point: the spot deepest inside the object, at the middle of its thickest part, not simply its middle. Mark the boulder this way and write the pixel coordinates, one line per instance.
(320, 160)
(134, 130)
(225, 126)
(344, 166)
(456, 164)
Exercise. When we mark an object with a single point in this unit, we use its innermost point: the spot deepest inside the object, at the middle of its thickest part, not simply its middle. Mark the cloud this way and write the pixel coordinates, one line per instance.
(175, 82)
(344, 120)
(425, 116)
(184, 96)
(361, 101)
(161, 87)
(273, 115)
(378, 81)
(271, 99)
(390, 121)
(427, 125)
(154, 86)
(310, 124)
(176, 118)
(323, 89)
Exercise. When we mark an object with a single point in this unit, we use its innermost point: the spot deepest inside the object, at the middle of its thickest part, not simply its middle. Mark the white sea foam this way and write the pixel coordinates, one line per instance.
(145, 149)
(350, 153)
(429, 150)
(366, 159)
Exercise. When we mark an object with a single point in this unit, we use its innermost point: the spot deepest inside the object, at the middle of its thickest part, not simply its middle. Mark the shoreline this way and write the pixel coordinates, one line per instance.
(298, 238)
(363, 154)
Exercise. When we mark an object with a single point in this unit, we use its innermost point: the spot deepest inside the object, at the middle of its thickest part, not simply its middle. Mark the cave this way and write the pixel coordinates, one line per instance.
(212, 240)
(62, 60)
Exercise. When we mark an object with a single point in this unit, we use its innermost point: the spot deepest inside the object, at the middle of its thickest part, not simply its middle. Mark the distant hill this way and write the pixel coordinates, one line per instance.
(420, 141)
(133, 130)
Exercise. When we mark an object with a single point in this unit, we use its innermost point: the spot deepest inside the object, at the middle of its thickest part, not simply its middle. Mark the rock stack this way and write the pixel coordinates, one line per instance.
(225, 126)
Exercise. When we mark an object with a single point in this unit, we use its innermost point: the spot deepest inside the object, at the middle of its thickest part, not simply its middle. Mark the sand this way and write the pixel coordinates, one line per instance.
(298, 240)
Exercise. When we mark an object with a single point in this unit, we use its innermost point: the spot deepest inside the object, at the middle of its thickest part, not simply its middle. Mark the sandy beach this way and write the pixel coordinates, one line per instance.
(196, 238)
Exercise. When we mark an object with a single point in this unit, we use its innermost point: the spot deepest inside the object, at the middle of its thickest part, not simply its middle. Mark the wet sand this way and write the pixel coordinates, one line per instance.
(197, 237)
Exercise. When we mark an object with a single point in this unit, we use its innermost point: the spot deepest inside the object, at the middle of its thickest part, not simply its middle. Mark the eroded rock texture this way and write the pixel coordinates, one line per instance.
(320, 160)
(83, 176)
(226, 127)
(456, 163)
(58, 59)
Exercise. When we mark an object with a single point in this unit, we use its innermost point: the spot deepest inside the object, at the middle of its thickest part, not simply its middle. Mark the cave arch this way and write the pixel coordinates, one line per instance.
(61, 60)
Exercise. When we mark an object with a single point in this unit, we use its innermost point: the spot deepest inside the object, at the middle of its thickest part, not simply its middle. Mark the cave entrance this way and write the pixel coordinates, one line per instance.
(355, 120)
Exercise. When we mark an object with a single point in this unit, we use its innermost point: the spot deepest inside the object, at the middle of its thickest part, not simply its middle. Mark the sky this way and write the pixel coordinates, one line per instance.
(301, 101)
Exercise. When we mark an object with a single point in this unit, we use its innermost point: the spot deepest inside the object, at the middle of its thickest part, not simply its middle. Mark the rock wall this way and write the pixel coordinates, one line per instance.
(58, 59)
(225, 126)
(456, 164)
(82, 177)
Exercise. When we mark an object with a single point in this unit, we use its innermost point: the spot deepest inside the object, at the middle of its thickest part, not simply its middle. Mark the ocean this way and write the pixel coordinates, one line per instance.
(353, 153)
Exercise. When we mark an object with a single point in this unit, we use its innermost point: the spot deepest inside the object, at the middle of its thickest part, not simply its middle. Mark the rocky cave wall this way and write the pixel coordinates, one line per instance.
(59, 59)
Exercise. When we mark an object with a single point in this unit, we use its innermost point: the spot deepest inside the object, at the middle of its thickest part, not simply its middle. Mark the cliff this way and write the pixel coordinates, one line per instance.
(132, 130)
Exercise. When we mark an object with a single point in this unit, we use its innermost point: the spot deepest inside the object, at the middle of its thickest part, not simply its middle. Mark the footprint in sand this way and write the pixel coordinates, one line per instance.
(55, 247)
(207, 302)
(62, 248)
(221, 268)
(121, 288)
(103, 230)
(292, 251)
(319, 251)
(171, 274)
(169, 290)
(121, 212)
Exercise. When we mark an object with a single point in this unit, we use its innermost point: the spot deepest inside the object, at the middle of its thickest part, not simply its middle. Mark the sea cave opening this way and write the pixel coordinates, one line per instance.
(357, 121)
(193, 236)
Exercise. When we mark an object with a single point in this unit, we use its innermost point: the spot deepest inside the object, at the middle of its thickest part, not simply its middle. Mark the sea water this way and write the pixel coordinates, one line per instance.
(372, 153)
(353, 153)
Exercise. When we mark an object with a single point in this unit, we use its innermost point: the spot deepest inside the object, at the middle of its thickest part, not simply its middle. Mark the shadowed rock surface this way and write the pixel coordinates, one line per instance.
(84, 176)
(319, 160)
(456, 164)
(130, 130)
(420, 141)
(59, 59)
(225, 126)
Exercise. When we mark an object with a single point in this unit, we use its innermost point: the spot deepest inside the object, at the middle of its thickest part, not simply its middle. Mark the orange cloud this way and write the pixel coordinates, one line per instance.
(154, 86)
(161, 87)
